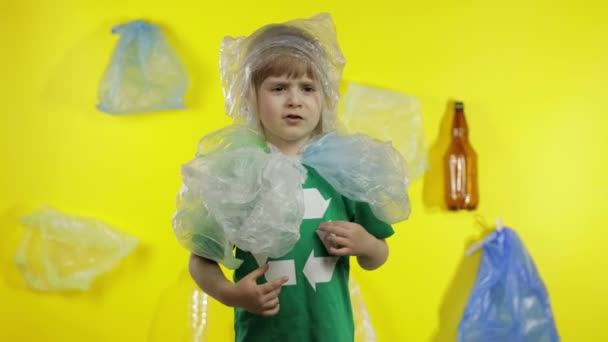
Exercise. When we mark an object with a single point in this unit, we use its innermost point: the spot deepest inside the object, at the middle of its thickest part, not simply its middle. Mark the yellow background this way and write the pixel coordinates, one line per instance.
(533, 78)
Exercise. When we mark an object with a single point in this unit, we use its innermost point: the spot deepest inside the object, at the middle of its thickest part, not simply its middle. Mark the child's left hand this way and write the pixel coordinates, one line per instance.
(347, 238)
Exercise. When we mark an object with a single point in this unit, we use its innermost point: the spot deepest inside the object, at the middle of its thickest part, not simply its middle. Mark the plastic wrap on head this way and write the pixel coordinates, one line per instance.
(239, 187)
(61, 252)
(364, 170)
(388, 116)
(145, 73)
(509, 301)
(312, 40)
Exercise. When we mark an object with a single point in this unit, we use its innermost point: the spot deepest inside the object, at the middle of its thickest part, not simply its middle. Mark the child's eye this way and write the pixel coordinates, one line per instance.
(309, 89)
(278, 88)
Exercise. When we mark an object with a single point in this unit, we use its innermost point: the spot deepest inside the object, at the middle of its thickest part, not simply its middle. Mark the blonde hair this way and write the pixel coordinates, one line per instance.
(284, 65)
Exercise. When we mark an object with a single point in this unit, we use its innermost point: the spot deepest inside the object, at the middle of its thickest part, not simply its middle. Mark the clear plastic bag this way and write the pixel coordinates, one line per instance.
(364, 170)
(388, 116)
(509, 302)
(240, 57)
(145, 73)
(233, 190)
(60, 252)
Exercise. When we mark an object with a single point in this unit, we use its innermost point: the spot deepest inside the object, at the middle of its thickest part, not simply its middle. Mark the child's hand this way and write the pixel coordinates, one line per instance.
(347, 238)
(258, 299)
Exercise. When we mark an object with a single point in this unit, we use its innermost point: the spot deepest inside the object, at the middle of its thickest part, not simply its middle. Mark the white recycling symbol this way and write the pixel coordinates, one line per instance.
(316, 269)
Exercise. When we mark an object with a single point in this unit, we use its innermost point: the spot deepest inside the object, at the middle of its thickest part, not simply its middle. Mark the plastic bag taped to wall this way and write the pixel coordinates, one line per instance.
(145, 73)
(387, 115)
(509, 301)
(60, 252)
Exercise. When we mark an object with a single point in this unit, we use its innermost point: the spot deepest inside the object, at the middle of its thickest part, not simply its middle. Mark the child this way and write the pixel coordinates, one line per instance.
(293, 196)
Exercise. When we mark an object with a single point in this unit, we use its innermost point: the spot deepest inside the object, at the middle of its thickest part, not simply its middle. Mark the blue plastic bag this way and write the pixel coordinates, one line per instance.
(509, 301)
(370, 171)
(144, 75)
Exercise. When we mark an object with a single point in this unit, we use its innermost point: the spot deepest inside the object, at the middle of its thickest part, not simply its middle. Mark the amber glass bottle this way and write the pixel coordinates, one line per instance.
(460, 166)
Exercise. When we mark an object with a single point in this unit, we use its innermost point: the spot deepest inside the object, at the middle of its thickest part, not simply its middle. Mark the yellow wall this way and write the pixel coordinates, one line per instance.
(532, 75)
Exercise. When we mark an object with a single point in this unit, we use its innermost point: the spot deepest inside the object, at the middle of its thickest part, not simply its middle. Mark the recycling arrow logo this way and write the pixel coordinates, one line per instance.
(314, 204)
(319, 269)
(316, 269)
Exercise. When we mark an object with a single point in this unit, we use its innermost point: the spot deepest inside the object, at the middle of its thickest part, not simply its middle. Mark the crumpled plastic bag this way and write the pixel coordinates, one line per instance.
(60, 252)
(236, 193)
(364, 170)
(239, 191)
(509, 302)
(145, 73)
(388, 116)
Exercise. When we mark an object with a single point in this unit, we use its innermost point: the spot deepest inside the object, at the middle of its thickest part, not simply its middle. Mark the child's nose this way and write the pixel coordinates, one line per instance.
(293, 98)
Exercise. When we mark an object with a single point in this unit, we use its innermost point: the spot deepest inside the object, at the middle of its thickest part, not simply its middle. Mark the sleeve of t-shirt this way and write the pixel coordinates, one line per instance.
(361, 213)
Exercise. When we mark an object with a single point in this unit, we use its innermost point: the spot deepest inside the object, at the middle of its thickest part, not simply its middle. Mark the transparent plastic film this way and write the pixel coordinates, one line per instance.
(388, 116)
(310, 40)
(369, 171)
(61, 252)
(364, 330)
(184, 313)
(247, 197)
(145, 73)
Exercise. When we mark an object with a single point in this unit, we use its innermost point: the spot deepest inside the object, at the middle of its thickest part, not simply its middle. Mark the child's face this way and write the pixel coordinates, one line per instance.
(289, 109)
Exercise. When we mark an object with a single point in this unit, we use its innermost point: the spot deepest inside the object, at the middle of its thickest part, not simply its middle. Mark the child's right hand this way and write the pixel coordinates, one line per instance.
(258, 299)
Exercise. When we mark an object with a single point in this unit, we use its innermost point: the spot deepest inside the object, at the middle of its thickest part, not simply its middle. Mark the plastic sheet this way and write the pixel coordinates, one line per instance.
(312, 40)
(145, 73)
(363, 170)
(509, 301)
(388, 116)
(60, 252)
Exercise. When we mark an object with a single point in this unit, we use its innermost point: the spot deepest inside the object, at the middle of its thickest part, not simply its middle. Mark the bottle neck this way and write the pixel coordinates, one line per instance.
(459, 125)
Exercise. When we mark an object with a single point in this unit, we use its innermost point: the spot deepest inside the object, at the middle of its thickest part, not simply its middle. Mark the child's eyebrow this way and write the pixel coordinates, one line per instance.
(279, 83)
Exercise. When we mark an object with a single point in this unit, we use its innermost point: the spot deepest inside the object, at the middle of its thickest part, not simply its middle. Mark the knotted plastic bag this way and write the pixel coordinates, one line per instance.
(509, 302)
(60, 252)
(145, 73)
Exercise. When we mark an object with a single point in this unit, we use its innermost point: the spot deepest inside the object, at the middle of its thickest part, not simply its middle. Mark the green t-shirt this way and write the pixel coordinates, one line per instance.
(315, 302)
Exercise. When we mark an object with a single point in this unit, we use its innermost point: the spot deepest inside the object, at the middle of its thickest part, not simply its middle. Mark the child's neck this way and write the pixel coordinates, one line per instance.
(291, 148)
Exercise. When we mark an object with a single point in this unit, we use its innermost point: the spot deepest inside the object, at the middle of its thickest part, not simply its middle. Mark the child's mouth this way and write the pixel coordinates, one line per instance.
(293, 118)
